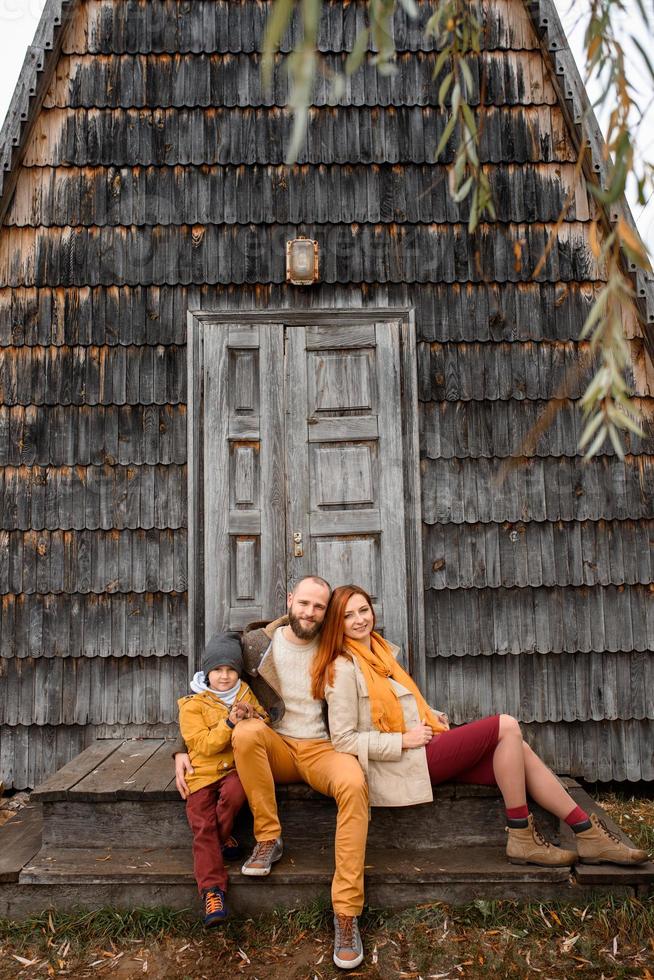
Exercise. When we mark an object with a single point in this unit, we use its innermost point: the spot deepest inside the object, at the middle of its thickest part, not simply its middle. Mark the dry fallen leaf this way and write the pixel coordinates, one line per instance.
(25, 962)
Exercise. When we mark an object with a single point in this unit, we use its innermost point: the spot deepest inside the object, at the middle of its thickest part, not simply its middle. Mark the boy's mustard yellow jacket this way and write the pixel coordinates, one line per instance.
(208, 737)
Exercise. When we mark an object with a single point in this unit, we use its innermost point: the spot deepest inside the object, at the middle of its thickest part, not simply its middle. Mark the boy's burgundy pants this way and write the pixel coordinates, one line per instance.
(210, 812)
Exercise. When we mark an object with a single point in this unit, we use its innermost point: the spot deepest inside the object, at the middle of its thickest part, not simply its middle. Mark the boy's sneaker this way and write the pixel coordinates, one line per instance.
(215, 909)
(348, 948)
(264, 855)
(231, 849)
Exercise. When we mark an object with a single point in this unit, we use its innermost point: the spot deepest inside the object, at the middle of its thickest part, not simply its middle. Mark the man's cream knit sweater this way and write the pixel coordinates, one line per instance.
(303, 717)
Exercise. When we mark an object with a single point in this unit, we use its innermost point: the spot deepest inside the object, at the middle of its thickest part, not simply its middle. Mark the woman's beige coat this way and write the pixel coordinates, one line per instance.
(396, 776)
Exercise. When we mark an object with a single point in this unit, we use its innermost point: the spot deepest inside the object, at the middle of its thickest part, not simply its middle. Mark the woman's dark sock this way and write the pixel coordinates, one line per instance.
(517, 817)
(578, 820)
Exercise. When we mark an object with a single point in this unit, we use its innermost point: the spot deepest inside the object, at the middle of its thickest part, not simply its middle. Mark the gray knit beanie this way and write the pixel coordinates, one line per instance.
(223, 649)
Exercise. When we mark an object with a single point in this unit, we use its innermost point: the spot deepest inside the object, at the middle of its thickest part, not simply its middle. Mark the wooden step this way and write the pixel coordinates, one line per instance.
(394, 878)
(640, 875)
(120, 792)
(458, 815)
(20, 840)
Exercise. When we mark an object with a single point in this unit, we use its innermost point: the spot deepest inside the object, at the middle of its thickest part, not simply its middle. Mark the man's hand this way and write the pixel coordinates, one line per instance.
(183, 768)
(444, 720)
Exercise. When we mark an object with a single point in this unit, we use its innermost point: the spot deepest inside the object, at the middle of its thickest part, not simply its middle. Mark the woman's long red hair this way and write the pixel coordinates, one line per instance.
(332, 637)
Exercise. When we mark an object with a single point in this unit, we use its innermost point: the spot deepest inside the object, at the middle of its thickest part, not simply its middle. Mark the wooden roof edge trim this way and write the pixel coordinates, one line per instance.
(580, 116)
(34, 80)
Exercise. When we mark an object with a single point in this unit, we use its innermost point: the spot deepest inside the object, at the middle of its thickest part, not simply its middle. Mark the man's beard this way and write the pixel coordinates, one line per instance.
(303, 632)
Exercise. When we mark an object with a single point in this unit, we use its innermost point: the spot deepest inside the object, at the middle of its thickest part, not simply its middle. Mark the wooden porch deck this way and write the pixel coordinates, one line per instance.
(110, 828)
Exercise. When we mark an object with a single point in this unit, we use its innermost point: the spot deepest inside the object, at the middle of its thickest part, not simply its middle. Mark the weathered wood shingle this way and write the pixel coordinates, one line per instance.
(402, 134)
(105, 27)
(186, 81)
(153, 181)
(262, 194)
(83, 435)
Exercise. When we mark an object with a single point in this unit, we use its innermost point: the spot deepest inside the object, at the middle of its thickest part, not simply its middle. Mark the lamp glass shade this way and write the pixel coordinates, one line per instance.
(301, 261)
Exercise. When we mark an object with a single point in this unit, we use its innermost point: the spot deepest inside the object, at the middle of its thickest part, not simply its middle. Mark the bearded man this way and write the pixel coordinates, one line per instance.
(296, 748)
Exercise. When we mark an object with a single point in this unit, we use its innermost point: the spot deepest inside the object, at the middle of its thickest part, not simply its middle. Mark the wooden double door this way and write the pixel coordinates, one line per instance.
(306, 441)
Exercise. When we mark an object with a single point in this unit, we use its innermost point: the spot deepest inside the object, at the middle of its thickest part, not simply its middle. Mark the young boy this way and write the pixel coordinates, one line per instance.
(206, 720)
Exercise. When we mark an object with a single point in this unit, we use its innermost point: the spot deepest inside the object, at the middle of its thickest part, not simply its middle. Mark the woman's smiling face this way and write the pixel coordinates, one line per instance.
(358, 619)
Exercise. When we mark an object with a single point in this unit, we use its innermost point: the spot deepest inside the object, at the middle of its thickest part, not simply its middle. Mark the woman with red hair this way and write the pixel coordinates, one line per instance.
(377, 713)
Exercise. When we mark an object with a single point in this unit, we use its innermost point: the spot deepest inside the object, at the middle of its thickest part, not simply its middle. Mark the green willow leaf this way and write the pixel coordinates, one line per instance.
(590, 430)
(443, 56)
(469, 118)
(447, 132)
(596, 444)
(626, 422)
(467, 76)
(444, 88)
(411, 7)
(615, 439)
(463, 190)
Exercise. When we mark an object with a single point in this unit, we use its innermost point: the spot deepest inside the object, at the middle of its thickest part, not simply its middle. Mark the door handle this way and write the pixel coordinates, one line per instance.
(298, 550)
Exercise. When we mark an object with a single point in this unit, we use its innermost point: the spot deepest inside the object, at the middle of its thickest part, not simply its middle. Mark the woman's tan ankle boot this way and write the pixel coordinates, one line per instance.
(598, 845)
(527, 846)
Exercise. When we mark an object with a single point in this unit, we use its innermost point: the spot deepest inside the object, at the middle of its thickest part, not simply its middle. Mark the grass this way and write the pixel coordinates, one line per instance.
(634, 814)
(602, 936)
(85, 928)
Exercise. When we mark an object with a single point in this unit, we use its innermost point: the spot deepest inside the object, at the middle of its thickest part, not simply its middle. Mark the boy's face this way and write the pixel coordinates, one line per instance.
(222, 678)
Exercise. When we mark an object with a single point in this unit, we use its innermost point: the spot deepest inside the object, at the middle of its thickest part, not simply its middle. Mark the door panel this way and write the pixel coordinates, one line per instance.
(345, 464)
(244, 521)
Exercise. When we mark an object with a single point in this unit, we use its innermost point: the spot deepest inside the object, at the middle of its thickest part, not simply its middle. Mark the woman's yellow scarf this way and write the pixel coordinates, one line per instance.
(377, 665)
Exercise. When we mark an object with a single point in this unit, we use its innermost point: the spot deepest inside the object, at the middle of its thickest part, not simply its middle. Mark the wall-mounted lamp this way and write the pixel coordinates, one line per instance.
(301, 261)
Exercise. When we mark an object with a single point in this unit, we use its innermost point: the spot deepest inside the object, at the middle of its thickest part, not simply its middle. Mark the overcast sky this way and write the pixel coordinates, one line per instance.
(19, 19)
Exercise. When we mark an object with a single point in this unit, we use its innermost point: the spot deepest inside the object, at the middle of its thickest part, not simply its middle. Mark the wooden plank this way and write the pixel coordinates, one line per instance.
(152, 779)
(273, 477)
(352, 427)
(242, 616)
(195, 440)
(20, 839)
(416, 653)
(391, 485)
(246, 426)
(244, 522)
(88, 866)
(298, 486)
(111, 777)
(336, 335)
(604, 874)
(478, 866)
(117, 823)
(244, 335)
(217, 570)
(345, 522)
(58, 786)
(300, 316)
